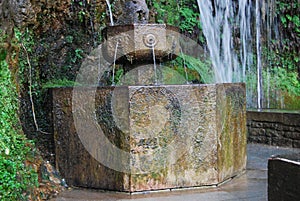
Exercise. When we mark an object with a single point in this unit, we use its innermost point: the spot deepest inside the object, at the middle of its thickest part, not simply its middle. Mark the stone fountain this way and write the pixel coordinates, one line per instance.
(146, 137)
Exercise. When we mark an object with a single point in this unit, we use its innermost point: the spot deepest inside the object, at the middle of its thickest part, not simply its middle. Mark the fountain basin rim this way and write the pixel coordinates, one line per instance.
(162, 85)
(142, 25)
(273, 110)
(130, 27)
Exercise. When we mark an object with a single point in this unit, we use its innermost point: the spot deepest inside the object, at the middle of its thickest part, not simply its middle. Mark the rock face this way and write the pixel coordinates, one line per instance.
(137, 138)
(133, 12)
(20, 12)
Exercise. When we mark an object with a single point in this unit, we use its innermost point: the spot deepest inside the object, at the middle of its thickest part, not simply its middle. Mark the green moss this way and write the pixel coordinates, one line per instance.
(59, 83)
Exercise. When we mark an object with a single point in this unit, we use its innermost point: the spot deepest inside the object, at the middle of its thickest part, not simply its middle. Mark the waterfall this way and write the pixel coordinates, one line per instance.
(226, 26)
(258, 55)
(218, 22)
(245, 32)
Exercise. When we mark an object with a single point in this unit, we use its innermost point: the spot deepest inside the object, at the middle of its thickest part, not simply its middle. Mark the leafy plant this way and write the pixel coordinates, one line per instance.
(17, 180)
(288, 12)
(166, 12)
(190, 19)
(183, 14)
(78, 55)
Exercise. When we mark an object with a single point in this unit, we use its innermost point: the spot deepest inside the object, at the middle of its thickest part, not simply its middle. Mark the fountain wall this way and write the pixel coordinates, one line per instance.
(274, 127)
(175, 135)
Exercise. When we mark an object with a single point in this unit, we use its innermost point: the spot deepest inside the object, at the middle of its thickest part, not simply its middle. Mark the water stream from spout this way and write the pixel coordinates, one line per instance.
(154, 65)
(184, 65)
(110, 13)
(114, 65)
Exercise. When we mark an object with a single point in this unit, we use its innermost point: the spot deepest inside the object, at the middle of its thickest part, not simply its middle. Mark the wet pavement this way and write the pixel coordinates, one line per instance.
(252, 185)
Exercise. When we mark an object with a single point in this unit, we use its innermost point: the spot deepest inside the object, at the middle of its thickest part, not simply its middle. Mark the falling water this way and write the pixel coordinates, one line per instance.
(114, 66)
(110, 13)
(258, 52)
(217, 30)
(269, 35)
(154, 65)
(246, 49)
(184, 65)
(232, 59)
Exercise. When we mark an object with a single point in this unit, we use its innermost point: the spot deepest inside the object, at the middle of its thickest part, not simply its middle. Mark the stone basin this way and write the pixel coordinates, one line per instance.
(135, 42)
(167, 136)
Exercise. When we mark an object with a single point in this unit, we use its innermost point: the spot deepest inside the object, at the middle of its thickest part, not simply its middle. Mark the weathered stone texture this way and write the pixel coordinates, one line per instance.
(274, 128)
(135, 43)
(132, 12)
(174, 135)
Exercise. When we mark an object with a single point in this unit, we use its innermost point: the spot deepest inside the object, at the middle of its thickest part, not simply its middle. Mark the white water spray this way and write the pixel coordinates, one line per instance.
(227, 26)
(258, 51)
(216, 24)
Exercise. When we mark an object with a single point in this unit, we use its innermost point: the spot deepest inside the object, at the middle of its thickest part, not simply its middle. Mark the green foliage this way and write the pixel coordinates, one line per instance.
(190, 19)
(77, 56)
(118, 75)
(166, 12)
(284, 80)
(183, 14)
(59, 83)
(172, 75)
(289, 15)
(283, 71)
(16, 179)
(25, 40)
(83, 13)
(198, 70)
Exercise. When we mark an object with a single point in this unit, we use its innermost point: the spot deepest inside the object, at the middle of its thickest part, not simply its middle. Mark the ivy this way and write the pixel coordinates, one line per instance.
(17, 180)
(190, 19)
(289, 15)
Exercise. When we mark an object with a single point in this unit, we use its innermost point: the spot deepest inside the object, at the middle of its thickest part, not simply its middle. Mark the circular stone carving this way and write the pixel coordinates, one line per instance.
(150, 40)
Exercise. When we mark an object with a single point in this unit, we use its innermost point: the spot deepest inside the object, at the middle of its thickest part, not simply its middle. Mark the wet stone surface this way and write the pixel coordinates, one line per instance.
(134, 43)
(169, 136)
(251, 186)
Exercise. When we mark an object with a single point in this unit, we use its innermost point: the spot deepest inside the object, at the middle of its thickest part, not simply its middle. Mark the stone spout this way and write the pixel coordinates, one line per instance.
(133, 12)
(137, 40)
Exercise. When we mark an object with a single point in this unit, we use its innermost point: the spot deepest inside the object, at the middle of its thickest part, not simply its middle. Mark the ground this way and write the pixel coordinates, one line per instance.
(250, 186)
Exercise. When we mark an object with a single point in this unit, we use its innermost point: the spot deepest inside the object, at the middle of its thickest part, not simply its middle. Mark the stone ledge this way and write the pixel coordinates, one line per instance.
(274, 127)
(283, 178)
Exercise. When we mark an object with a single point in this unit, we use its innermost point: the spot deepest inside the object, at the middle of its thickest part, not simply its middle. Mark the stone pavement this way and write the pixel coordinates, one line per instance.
(251, 186)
